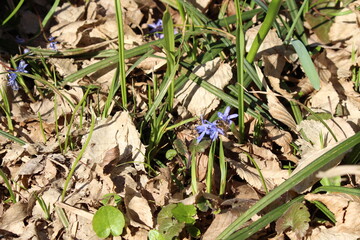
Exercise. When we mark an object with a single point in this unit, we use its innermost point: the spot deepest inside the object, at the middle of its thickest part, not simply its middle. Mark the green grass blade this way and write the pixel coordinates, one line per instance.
(50, 13)
(163, 89)
(168, 29)
(12, 138)
(16, 9)
(352, 191)
(291, 182)
(8, 186)
(264, 29)
(297, 23)
(264, 220)
(121, 55)
(240, 54)
(307, 63)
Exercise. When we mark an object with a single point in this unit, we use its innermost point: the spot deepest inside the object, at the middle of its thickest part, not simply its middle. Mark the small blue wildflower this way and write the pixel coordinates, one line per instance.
(157, 28)
(52, 44)
(12, 75)
(19, 39)
(226, 117)
(208, 128)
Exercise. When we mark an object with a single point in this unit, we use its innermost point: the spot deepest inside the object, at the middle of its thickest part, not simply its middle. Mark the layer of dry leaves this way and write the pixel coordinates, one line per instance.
(113, 162)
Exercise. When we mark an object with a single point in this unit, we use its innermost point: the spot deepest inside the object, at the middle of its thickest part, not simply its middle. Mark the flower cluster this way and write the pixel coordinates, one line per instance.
(12, 75)
(52, 44)
(212, 129)
(157, 28)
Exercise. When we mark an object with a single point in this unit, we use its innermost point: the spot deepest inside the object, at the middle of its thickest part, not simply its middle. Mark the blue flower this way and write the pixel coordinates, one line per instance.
(226, 117)
(12, 75)
(52, 44)
(156, 28)
(208, 128)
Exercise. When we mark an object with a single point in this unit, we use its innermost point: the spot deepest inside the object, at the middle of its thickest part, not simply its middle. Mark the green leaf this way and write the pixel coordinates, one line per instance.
(170, 154)
(297, 217)
(184, 213)
(307, 63)
(155, 235)
(108, 220)
(165, 215)
(194, 231)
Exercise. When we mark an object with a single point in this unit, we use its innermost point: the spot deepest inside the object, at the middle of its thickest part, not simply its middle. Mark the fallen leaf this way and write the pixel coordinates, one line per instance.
(346, 209)
(138, 209)
(196, 99)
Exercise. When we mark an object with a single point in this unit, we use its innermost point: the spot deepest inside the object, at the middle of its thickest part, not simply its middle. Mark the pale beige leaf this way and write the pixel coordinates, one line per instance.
(313, 129)
(117, 131)
(220, 222)
(138, 209)
(33, 166)
(340, 171)
(197, 100)
(279, 136)
(279, 112)
(251, 175)
(323, 233)
(346, 209)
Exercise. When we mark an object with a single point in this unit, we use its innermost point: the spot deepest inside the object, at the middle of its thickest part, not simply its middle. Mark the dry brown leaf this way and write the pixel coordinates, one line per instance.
(339, 171)
(279, 136)
(138, 209)
(312, 129)
(272, 177)
(117, 131)
(64, 66)
(196, 99)
(279, 112)
(346, 209)
(12, 220)
(33, 166)
(160, 186)
(220, 222)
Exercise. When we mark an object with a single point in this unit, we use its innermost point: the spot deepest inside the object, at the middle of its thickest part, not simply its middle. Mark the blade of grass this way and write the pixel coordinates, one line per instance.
(273, 215)
(307, 63)
(264, 29)
(169, 46)
(297, 23)
(210, 167)
(352, 191)
(12, 137)
(75, 163)
(121, 56)
(16, 9)
(240, 54)
(50, 13)
(223, 168)
(289, 183)
(8, 186)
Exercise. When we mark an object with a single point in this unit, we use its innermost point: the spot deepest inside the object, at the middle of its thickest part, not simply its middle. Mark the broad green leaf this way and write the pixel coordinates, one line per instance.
(307, 63)
(165, 214)
(193, 231)
(155, 235)
(108, 220)
(184, 213)
(297, 217)
(170, 154)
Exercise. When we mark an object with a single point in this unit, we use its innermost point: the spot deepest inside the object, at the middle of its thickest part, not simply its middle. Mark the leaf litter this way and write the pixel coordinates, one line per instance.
(115, 161)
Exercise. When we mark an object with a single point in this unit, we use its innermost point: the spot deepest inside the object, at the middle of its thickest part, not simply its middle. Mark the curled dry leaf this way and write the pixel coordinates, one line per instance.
(313, 130)
(272, 178)
(117, 131)
(138, 209)
(279, 112)
(339, 171)
(196, 99)
(346, 209)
